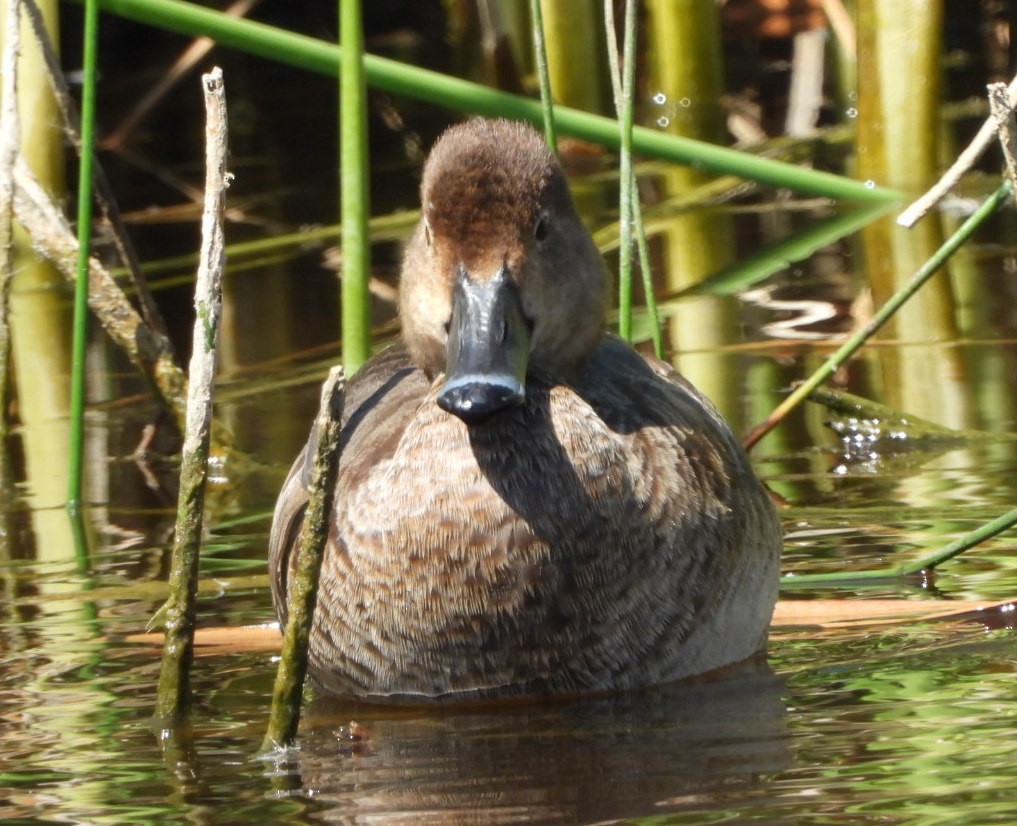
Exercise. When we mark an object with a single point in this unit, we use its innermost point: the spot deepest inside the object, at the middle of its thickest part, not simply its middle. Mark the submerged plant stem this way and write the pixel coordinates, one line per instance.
(178, 649)
(303, 595)
(851, 346)
(926, 563)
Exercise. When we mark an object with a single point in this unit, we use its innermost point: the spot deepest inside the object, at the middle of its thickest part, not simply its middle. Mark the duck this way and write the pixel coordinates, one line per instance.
(525, 505)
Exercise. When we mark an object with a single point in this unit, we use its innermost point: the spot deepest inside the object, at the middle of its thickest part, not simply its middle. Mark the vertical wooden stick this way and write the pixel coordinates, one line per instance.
(303, 596)
(178, 650)
(10, 138)
(1006, 128)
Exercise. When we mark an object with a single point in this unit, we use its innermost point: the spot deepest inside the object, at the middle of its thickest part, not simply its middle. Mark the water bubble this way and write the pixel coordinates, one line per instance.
(685, 102)
(660, 98)
(663, 122)
(852, 113)
(870, 184)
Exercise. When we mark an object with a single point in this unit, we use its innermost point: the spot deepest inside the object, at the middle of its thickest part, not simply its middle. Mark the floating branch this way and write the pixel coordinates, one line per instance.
(178, 650)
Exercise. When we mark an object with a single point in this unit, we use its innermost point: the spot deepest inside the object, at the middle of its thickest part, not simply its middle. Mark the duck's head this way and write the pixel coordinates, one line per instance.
(500, 276)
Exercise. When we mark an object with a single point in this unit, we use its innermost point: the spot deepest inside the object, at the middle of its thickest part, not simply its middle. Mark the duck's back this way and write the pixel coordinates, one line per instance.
(600, 537)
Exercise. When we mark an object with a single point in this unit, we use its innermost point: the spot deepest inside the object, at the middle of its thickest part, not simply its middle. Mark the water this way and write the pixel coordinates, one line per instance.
(906, 723)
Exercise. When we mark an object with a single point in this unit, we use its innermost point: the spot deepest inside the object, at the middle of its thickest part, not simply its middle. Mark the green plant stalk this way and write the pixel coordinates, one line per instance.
(80, 333)
(764, 263)
(543, 76)
(627, 190)
(851, 346)
(431, 87)
(354, 190)
(926, 563)
(287, 691)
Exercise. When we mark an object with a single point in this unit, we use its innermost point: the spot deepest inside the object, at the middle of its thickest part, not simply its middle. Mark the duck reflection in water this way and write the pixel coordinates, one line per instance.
(525, 505)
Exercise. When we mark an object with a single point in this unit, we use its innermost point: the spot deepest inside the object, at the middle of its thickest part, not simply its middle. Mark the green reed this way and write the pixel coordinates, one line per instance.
(354, 190)
(451, 92)
(80, 334)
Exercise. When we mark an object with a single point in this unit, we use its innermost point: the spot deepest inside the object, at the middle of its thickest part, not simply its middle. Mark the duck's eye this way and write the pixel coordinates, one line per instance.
(542, 228)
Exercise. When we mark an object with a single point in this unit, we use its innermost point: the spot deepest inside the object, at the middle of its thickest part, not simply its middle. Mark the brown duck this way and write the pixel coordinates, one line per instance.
(525, 505)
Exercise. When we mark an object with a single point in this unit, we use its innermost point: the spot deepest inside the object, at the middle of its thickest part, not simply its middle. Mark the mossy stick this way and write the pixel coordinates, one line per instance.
(289, 680)
(178, 649)
(10, 138)
(854, 342)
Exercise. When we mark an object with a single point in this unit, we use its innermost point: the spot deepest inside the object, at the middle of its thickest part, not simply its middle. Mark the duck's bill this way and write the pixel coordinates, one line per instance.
(488, 346)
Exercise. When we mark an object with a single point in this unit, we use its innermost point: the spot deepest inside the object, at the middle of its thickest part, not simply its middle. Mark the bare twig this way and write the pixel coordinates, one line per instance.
(1006, 128)
(174, 679)
(986, 135)
(10, 139)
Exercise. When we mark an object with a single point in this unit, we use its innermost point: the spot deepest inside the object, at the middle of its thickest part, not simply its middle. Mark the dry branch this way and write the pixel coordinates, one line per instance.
(967, 159)
(180, 613)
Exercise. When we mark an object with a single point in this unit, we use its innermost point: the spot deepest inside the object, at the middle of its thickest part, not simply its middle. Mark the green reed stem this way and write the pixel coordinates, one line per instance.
(354, 190)
(432, 87)
(80, 333)
(637, 226)
(627, 193)
(851, 346)
(926, 563)
(543, 75)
